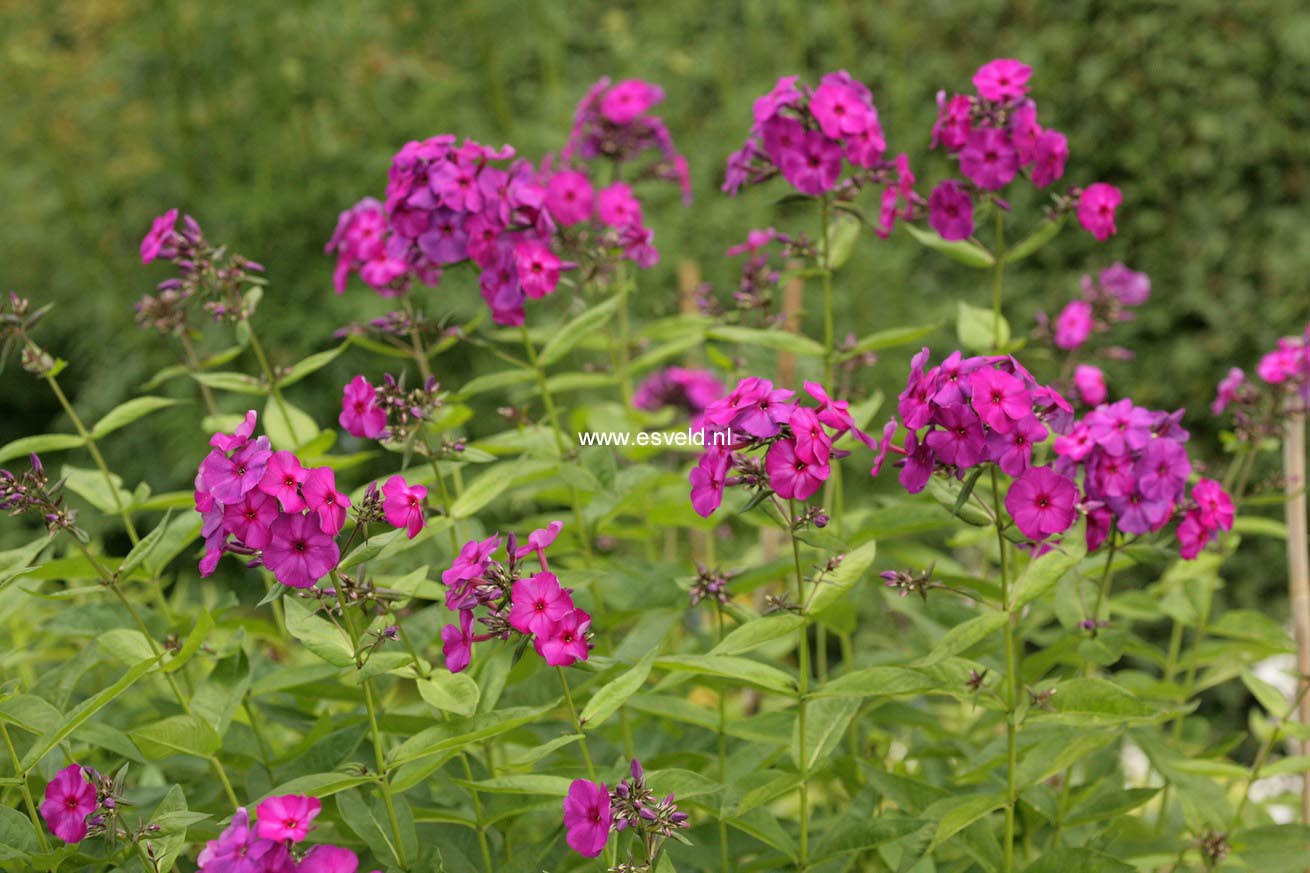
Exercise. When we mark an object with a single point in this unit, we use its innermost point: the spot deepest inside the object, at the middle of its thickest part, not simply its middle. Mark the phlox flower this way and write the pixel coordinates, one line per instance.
(950, 210)
(1073, 325)
(587, 817)
(457, 642)
(299, 553)
(537, 603)
(1002, 79)
(360, 414)
(282, 479)
(402, 505)
(1089, 382)
(791, 477)
(156, 240)
(989, 159)
(1041, 502)
(323, 498)
(1096, 209)
(708, 478)
(69, 799)
(287, 817)
(564, 641)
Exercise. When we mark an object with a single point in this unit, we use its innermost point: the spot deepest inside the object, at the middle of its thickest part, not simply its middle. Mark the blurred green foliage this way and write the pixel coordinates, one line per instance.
(265, 119)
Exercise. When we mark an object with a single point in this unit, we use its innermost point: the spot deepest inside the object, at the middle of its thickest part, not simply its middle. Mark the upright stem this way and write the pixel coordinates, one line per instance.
(1298, 571)
(273, 388)
(825, 267)
(444, 494)
(416, 342)
(27, 792)
(577, 725)
(803, 659)
(997, 270)
(95, 456)
(625, 285)
(194, 362)
(1012, 683)
(379, 752)
(724, 865)
(1274, 735)
(1107, 575)
(549, 402)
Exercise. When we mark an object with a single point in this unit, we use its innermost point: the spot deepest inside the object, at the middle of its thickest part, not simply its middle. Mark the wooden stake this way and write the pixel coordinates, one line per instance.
(1298, 571)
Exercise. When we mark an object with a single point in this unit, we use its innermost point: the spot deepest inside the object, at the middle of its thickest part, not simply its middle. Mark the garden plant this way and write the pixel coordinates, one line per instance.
(661, 593)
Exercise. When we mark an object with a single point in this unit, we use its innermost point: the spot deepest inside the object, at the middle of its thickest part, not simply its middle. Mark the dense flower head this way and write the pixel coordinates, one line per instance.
(968, 411)
(515, 601)
(995, 138)
(796, 441)
(70, 798)
(267, 506)
(821, 139)
(388, 411)
(688, 390)
(613, 121)
(1134, 470)
(591, 811)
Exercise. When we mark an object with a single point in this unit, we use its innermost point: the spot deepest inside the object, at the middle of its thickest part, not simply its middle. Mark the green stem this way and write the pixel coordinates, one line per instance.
(724, 865)
(273, 388)
(194, 362)
(1274, 735)
(825, 267)
(416, 342)
(997, 269)
(95, 456)
(549, 402)
(625, 287)
(27, 792)
(1012, 683)
(1107, 576)
(477, 813)
(379, 752)
(577, 725)
(444, 494)
(803, 658)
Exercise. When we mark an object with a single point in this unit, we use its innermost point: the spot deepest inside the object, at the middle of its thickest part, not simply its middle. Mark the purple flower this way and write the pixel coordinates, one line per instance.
(840, 110)
(299, 553)
(999, 398)
(627, 100)
(570, 197)
(282, 479)
(537, 603)
(156, 240)
(1163, 469)
(360, 414)
(564, 642)
(1120, 427)
(1129, 286)
(1073, 325)
(328, 859)
(1013, 451)
(403, 505)
(950, 210)
(813, 165)
(457, 642)
(617, 206)
(791, 477)
(250, 519)
(1089, 382)
(1096, 209)
(323, 498)
(538, 268)
(918, 465)
(1041, 502)
(960, 440)
(784, 93)
(954, 122)
(588, 817)
(708, 478)
(1002, 79)
(239, 849)
(69, 799)
(989, 159)
(287, 817)
(1214, 504)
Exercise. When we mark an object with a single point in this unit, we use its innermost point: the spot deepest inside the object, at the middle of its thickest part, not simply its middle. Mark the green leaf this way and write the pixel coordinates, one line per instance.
(176, 735)
(975, 327)
(486, 488)
(450, 692)
(962, 251)
(741, 670)
(565, 382)
(1111, 803)
(236, 383)
(1080, 860)
(965, 636)
(1043, 573)
(369, 821)
(758, 632)
(318, 634)
(1258, 525)
(779, 340)
(1270, 697)
(91, 486)
(878, 682)
(311, 364)
(890, 338)
(1094, 701)
(14, 562)
(204, 624)
(17, 834)
(1045, 232)
(613, 695)
(571, 333)
(825, 725)
(319, 784)
(84, 711)
(522, 783)
(496, 382)
(142, 549)
(462, 733)
(50, 442)
(843, 233)
(290, 431)
(126, 413)
(959, 813)
(828, 590)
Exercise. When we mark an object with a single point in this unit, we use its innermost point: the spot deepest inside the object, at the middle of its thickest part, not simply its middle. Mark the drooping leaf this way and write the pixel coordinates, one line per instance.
(961, 251)
(606, 701)
(571, 333)
(126, 413)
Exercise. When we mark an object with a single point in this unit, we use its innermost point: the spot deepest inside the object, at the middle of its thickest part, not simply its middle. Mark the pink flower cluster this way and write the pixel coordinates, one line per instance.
(1259, 410)
(810, 135)
(985, 410)
(591, 811)
(613, 121)
(797, 442)
(691, 391)
(533, 606)
(213, 275)
(994, 135)
(269, 845)
(1135, 468)
(267, 506)
(1288, 365)
(388, 411)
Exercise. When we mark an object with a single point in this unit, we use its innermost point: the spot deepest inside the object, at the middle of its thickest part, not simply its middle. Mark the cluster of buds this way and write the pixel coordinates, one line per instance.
(592, 811)
(905, 583)
(399, 328)
(710, 585)
(768, 252)
(224, 281)
(1261, 408)
(17, 318)
(635, 806)
(31, 491)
